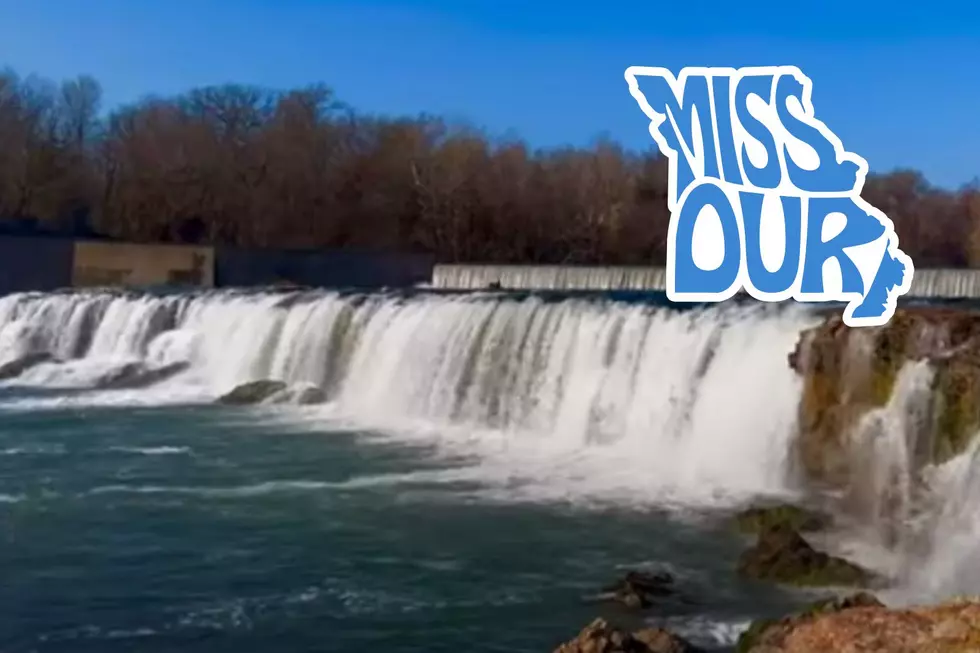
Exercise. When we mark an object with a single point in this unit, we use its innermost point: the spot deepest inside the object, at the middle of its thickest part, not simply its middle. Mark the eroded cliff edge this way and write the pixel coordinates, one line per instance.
(849, 373)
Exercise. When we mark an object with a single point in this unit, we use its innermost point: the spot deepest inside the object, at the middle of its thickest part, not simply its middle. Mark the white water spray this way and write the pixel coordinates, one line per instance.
(619, 398)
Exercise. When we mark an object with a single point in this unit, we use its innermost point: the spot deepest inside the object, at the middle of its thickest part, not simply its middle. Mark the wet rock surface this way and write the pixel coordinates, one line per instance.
(848, 372)
(14, 368)
(763, 517)
(862, 624)
(253, 392)
(638, 590)
(137, 375)
(601, 637)
(782, 555)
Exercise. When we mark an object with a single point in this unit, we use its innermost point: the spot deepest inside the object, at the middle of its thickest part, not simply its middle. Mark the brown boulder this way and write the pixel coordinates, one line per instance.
(869, 627)
(253, 392)
(782, 555)
(600, 637)
(638, 590)
(760, 518)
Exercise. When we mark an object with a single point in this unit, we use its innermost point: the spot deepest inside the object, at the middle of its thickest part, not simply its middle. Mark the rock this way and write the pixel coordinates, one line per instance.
(766, 631)
(600, 637)
(253, 392)
(848, 372)
(13, 369)
(836, 604)
(302, 395)
(136, 375)
(310, 394)
(782, 555)
(659, 640)
(870, 627)
(760, 518)
(637, 590)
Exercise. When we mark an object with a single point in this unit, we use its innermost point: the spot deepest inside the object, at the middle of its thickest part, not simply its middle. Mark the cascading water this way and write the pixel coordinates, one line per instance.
(567, 399)
(613, 397)
(950, 563)
(883, 450)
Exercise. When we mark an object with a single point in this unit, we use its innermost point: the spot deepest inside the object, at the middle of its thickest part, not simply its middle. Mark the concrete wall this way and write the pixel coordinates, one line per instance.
(938, 283)
(547, 277)
(129, 264)
(328, 268)
(34, 263)
(47, 263)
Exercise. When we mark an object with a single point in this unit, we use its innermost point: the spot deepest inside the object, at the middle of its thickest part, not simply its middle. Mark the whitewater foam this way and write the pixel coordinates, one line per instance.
(575, 397)
(152, 451)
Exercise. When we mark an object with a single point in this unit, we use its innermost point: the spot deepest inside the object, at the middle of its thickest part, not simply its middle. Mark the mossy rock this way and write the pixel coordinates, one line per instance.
(783, 556)
(253, 392)
(839, 390)
(601, 637)
(766, 632)
(753, 636)
(639, 590)
(956, 403)
(761, 518)
(14, 368)
(837, 603)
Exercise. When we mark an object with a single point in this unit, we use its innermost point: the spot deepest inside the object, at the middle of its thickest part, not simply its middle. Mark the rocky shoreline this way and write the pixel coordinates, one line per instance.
(852, 623)
(847, 375)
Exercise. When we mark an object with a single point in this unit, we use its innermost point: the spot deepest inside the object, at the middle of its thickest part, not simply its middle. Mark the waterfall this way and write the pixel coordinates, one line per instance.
(698, 401)
(884, 444)
(562, 398)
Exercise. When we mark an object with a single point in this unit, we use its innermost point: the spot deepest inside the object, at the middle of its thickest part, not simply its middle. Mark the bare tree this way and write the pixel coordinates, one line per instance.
(250, 166)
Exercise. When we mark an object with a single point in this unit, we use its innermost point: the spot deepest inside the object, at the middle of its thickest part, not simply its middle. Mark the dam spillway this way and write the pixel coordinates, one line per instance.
(935, 283)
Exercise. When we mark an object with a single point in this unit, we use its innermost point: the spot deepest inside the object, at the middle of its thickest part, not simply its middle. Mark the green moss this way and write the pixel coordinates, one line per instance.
(956, 405)
(890, 353)
(753, 635)
(783, 556)
(768, 629)
(835, 573)
(800, 519)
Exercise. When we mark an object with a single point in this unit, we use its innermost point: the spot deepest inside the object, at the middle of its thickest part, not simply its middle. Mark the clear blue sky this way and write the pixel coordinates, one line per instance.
(900, 82)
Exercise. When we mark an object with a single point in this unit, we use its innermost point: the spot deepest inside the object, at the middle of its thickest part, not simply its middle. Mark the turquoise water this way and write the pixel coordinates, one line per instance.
(208, 529)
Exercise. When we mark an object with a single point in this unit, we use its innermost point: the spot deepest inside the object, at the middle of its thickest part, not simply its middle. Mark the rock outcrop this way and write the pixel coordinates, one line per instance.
(14, 368)
(848, 372)
(760, 518)
(253, 392)
(782, 555)
(304, 394)
(309, 394)
(137, 375)
(638, 590)
(600, 637)
(862, 624)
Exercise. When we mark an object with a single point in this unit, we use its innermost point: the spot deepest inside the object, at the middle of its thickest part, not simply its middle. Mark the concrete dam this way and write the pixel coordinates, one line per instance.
(934, 283)
(47, 264)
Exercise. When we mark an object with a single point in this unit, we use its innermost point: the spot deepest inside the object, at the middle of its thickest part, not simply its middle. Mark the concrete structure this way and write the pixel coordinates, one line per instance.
(129, 264)
(50, 263)
(932, 283)
(47, 263)
(327, 268)
(32, 263)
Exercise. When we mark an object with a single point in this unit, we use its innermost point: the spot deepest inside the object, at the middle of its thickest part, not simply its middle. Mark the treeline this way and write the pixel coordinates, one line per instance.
(300, 169)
